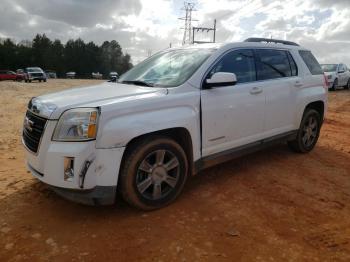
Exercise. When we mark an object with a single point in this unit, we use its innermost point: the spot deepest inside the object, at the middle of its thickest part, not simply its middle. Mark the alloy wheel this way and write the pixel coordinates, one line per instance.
(158, 174)
(310, 131)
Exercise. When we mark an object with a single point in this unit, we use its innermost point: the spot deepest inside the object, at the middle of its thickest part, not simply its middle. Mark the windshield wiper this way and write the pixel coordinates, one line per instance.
(137, 82)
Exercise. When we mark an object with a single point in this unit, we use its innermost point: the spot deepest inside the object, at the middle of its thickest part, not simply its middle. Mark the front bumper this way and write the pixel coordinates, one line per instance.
(36, 77)
(100, 195)
(99, 180)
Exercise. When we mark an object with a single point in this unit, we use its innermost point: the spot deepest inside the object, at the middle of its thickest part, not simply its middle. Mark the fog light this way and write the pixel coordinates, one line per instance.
(68, 168)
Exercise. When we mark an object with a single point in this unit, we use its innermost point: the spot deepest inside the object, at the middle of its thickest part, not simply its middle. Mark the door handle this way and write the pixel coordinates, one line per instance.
(298, 83)
(255, 90)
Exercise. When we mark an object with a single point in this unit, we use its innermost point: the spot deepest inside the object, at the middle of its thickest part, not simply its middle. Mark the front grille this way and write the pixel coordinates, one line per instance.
(36, 74)
(33, 130)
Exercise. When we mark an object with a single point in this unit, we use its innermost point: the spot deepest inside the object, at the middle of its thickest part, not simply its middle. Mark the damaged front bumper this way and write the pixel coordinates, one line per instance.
(94, 175)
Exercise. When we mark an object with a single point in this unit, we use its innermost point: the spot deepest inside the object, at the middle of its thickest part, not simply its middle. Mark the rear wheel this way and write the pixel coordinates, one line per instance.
(153, 173)
(308, 132)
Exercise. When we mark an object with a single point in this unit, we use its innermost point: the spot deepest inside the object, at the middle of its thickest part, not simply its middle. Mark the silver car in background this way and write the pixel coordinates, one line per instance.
(338, 75)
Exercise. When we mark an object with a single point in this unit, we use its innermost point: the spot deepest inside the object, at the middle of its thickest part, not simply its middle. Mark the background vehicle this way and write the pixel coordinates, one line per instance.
(34, 73)
(96, 75)
(113, 76)
(338, 75)
(70, 75)
(10, 75)
(50, 74)
(21, 74)
(177, 112)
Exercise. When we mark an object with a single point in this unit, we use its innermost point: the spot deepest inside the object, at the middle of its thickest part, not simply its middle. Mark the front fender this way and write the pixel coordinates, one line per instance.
(118, 131)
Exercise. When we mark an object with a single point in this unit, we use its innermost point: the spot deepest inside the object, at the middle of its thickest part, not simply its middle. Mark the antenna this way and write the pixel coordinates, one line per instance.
(188, 8)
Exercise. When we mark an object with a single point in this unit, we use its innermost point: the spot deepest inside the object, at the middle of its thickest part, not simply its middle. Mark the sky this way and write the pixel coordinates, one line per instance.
(147, 26)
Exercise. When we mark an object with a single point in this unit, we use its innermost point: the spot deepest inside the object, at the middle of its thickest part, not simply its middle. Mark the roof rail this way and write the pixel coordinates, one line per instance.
(268, 40)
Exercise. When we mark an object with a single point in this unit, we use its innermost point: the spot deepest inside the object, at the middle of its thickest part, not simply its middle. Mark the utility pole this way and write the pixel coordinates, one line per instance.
(188, 8)
(203, 29)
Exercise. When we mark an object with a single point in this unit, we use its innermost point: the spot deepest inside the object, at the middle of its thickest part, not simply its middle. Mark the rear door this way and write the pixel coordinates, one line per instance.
(232, 115)
(277, 72)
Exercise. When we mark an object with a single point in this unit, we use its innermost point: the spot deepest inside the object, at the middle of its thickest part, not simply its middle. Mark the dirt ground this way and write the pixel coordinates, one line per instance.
(274, 205)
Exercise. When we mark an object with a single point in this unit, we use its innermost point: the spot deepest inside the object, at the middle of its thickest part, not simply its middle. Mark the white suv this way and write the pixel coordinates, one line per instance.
(338, 75)
(176, 113)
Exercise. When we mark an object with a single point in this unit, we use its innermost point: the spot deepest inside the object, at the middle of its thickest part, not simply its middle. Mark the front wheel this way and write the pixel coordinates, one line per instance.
(153, 173)
(308, 132)
(348, 85)
(335, 84)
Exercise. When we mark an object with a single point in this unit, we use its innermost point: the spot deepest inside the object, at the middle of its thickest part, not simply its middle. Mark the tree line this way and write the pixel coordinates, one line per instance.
(76, 55)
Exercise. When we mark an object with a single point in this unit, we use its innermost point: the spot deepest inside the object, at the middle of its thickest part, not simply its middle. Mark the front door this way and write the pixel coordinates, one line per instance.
(232, 115)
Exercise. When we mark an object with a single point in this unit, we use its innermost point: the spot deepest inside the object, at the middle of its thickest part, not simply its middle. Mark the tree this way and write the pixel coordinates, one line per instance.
(76, 55)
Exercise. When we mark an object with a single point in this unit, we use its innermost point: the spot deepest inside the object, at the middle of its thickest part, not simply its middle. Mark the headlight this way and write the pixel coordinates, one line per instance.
(78, 124)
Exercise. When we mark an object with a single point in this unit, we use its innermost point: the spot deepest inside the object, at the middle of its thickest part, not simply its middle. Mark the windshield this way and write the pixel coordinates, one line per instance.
(33, 70)
(167, 69)
(329, 68)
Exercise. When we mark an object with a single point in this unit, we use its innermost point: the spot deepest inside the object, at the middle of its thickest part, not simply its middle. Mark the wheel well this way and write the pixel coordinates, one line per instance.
(178, 134)
(318, 106)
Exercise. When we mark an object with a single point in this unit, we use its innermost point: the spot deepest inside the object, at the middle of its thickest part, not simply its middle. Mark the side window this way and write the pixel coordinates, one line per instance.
(311, 62)
(240, 62)
(293, 65)
(272, 64)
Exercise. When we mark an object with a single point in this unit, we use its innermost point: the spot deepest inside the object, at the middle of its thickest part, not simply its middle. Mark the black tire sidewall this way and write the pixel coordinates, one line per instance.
(335, 84)
(306, 116)
(129, 172)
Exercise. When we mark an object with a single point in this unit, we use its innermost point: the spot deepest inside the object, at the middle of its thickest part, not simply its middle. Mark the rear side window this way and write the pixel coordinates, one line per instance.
(240, 62)
(273, 63)
(311, 62)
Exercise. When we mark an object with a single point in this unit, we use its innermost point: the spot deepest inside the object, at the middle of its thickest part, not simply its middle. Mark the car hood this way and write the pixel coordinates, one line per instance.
(52, 105)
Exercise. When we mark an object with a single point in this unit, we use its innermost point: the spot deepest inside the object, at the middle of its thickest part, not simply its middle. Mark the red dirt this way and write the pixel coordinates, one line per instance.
(274, 205)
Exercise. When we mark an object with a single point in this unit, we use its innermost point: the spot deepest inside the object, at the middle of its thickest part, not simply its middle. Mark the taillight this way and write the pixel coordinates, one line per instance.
(325, 81)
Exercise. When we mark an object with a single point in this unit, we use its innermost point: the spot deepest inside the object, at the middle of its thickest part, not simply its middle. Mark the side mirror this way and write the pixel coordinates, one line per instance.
(221, 79)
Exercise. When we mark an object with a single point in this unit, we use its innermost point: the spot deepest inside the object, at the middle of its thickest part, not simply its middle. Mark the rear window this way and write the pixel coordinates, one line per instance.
(311, 62)
(273, 63)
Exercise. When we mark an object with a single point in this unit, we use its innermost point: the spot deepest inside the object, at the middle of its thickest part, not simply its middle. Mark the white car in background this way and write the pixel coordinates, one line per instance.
(338, 75)
(70, 75)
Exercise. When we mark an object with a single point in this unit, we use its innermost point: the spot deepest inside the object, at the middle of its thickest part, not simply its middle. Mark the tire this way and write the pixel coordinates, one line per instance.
(335, 84)
(308, 132)
(44, 80)
(348, 85)
(29, 81)
(153, 173)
